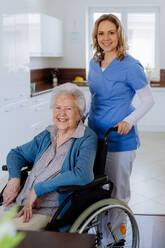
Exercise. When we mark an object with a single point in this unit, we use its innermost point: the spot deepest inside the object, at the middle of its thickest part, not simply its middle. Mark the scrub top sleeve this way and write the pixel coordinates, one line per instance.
(136, 76)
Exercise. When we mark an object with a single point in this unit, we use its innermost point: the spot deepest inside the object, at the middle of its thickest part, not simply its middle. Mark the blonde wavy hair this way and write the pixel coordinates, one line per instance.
(121, 47)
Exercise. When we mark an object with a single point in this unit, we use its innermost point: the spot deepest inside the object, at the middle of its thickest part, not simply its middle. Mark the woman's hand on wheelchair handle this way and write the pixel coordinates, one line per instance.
(31, 201)
(11, 191)
(123, 127)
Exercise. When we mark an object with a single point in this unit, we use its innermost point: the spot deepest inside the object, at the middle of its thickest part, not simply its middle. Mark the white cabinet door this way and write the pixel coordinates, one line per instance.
(35, 46)
(14, 128)
(57, 37)
(45, 36)
(40, 114)
(21, 121)
(14, 58)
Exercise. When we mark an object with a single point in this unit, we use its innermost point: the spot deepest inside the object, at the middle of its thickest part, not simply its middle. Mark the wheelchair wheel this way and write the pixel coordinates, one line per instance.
(90, 221)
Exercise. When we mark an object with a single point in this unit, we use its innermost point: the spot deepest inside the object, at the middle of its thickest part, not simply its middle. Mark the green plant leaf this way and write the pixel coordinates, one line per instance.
(10, 214)
(11, 242)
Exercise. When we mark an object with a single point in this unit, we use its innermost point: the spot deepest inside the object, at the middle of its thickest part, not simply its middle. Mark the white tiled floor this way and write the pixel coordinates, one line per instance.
(148, 175)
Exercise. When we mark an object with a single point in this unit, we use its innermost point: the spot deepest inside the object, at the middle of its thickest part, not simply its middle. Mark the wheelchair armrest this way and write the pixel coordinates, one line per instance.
(76, 188)
(27, 167)
(24, 175)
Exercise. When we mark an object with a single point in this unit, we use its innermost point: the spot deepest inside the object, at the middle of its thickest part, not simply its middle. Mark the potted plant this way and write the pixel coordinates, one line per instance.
(9, 237)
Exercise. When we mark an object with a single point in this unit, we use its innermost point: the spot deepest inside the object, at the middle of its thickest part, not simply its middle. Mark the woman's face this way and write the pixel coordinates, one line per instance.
(107, 36)
(66, 113)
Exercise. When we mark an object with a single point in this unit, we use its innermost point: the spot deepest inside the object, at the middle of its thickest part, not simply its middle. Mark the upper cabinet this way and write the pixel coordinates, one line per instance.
(45, 36)
(14, 58)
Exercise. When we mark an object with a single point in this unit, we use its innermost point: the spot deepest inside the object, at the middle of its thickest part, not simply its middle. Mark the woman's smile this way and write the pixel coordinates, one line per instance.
(62, 119)
(107, 43)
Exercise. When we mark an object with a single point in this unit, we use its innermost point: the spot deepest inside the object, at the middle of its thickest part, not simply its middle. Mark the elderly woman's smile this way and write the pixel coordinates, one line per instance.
(66, 114)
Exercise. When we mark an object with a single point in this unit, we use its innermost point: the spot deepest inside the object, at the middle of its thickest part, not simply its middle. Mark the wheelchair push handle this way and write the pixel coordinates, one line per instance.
(112, 129)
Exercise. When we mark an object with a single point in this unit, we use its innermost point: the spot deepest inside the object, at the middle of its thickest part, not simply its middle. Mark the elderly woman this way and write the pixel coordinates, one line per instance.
(63, 154)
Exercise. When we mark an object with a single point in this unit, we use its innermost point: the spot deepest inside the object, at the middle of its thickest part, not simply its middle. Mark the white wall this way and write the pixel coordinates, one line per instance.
(74, 14)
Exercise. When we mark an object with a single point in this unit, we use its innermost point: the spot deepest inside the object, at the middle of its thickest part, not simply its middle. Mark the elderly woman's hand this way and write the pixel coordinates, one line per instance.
(11, 191)
(31, 201)
(123, 127)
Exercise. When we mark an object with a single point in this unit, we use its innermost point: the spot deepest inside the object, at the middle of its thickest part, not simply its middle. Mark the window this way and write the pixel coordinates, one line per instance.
(142, 31)
(141, 37)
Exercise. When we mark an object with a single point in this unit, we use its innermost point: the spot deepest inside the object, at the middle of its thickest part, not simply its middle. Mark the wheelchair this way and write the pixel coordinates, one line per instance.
(89, 205)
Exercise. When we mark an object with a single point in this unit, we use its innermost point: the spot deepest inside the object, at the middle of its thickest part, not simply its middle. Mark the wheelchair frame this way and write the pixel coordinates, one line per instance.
(81, 220)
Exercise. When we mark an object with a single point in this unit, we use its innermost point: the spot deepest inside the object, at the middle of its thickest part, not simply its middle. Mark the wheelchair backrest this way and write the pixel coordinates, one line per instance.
(99, 165)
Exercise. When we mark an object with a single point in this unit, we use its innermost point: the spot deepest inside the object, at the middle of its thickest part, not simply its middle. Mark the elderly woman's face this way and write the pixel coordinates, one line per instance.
(66, 113)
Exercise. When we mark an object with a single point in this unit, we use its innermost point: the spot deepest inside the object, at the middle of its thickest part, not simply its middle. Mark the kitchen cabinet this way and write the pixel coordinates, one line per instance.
(40, 114)
(22, 120)
(14, 77)
(14, 58)
(154, 120)
(13, 127)
(45, 36)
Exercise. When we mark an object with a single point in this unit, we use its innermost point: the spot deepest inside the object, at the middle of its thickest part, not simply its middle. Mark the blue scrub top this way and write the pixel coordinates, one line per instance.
(112, 92)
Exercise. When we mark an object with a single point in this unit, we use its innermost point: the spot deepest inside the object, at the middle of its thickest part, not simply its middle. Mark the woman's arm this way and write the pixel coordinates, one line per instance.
(31, 201)
(11, 191)
(18, 157)
(146, 103)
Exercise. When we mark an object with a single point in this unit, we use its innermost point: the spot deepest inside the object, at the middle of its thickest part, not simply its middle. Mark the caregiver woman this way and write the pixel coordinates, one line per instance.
(114, 79)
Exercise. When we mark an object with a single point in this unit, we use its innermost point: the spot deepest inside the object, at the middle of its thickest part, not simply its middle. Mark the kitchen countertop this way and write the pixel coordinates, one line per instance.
(46, 88)
(41, 92)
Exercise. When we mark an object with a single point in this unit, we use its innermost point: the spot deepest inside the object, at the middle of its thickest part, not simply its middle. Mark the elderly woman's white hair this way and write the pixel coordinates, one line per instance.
(73, 90)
